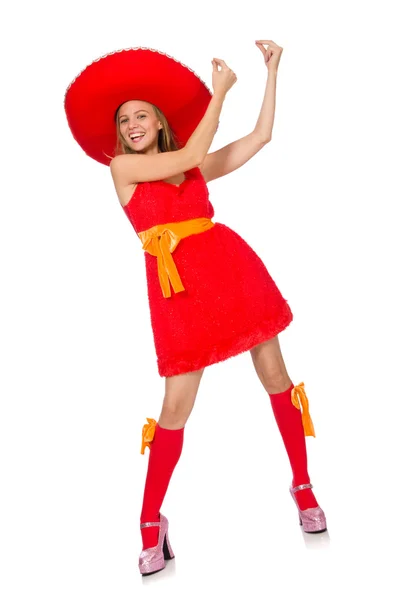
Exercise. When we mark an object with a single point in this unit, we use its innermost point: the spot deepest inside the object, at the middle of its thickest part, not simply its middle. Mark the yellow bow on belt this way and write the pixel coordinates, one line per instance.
(161, 241)
(298, 397)
(148, 431)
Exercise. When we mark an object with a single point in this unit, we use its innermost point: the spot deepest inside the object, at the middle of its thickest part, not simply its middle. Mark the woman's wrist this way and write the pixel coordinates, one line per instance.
(218, 96)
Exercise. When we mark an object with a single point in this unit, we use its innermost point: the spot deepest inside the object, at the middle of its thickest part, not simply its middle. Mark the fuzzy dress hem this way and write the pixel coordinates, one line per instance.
(239, 343)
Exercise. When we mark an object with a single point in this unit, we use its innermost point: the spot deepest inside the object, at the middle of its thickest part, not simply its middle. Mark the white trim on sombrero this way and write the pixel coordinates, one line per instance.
(134, 48)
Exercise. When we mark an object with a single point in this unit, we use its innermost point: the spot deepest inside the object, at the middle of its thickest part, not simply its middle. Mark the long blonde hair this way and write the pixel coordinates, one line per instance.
(167, 141)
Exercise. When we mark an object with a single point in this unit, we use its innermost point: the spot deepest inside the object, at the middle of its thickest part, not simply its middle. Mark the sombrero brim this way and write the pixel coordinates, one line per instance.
(93, 97)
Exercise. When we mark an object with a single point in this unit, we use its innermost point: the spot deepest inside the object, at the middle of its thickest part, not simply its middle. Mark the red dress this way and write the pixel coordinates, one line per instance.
(230, 302)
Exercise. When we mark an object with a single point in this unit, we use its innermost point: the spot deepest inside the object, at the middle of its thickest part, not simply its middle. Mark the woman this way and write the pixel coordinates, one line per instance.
(210, 295)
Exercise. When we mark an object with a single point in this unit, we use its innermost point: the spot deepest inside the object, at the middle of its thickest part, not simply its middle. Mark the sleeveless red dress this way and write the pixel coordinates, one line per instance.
(230, 302)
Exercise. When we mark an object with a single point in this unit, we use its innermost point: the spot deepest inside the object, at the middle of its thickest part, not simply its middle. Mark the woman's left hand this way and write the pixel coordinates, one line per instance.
(272, 54)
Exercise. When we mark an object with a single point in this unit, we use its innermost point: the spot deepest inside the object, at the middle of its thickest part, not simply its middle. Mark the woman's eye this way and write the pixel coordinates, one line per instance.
(124, 120)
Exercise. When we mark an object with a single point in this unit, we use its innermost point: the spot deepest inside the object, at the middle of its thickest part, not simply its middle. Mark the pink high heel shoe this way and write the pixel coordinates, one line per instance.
(153, 559)
(312, 519)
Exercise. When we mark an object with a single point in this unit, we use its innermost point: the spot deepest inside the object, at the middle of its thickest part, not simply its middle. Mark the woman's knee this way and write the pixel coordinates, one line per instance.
(180, 395)
(270, 367)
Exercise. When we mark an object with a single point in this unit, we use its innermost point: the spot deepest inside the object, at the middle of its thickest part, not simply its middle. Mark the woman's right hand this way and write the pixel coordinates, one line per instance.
(224, 79)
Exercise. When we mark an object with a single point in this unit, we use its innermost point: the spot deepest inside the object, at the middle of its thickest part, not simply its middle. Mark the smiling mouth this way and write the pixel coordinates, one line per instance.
(136, 140)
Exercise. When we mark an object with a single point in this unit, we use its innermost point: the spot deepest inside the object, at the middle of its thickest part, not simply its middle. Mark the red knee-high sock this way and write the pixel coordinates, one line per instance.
(165, 451)
(289, 421)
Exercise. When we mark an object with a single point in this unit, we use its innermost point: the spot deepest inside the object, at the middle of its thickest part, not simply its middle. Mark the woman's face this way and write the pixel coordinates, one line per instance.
(137, 117)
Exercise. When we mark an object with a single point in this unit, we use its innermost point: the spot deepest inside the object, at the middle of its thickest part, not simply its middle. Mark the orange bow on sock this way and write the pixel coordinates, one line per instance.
(148, 434)
(298, 397)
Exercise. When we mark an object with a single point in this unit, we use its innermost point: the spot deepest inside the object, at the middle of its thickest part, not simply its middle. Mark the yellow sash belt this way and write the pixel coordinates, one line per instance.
(161, 241)
(298, 397)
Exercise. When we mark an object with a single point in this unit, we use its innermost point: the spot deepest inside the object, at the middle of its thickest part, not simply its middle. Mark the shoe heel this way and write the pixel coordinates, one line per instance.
(152, 560)
(167, 550)
(313, 520)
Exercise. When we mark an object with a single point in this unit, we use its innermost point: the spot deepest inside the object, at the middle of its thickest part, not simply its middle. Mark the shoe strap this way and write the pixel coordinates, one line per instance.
(150, 524)
(304, 486)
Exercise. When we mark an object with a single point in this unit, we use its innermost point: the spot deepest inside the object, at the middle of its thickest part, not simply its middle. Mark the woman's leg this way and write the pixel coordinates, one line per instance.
(166, 447)
(270, 368)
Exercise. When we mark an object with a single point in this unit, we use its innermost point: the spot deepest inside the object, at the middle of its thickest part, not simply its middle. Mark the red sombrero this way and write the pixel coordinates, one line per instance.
(93, 97)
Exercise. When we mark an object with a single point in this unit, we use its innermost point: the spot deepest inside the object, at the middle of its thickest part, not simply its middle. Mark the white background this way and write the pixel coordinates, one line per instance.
(79, 374)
